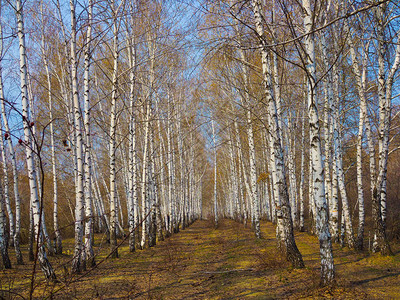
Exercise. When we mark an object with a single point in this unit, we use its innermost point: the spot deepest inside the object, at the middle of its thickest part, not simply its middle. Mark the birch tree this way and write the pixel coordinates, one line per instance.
(214, 145)
(133, 218)
(113, 126)
(360, 72)
(89, 253)
(37, 206)
(4, 235)
(171, 169)
(285, 225)
(8, 138)
(77, 264)
(386, 75)
(327, 267)
(44, 50)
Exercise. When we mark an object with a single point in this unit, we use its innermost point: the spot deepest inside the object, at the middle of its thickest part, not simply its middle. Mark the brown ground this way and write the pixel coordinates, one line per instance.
(201, 262)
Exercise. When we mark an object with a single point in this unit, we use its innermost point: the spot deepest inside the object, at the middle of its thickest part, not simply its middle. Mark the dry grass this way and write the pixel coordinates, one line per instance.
(202, 262)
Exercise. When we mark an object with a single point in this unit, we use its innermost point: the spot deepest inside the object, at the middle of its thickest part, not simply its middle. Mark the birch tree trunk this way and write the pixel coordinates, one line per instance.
(88, 159)
(6, 195)
(17, 229)
(292, 170)
(254, 198)
(77, 263)
(334, 203)
(311, 197)
(57, 232)
(153, 191)
(343, 194)
(383, 115)
(181, 193)
(171, 169)
(133, 218)
(233, 176)
(39, 166)
(146, 163)
(163, 193)
(302, 168)
(285, 224)
(145, 184)
(112, 146)
(27, 124)
(215, 175)
(31, 234)
(253, 177)
(17, 236)
(58, 239)
(242, 175)
(328, 95)
(322, 225)
(4, 235)
(385, 87)
(360, 74)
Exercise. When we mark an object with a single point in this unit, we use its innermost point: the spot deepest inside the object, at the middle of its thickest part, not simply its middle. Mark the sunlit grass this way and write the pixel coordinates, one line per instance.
(202, 262)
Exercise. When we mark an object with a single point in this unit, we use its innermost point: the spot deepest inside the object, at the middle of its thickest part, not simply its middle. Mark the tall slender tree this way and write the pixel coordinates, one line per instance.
(37, 206)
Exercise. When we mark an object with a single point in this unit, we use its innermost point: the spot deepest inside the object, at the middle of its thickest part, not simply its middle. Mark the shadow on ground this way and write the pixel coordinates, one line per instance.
(202, 262)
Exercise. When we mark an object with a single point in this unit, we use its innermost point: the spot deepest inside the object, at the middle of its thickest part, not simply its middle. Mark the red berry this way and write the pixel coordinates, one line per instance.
(6, 136)
(31, 124)
(20, 141)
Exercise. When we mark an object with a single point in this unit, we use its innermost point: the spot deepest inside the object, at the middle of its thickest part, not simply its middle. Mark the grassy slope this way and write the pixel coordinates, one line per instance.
(206, 263)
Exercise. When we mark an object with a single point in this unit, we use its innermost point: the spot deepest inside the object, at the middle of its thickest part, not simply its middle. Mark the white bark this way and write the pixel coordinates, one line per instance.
(6, 195)
(285, 225)
(171, 169)
(145, 184)
(153, 191)
(385, 88)
(328, 95)
(233, 176)
(343, 194)
(327, 267)
(292, 169)
(14, 231)
(302, 169)
(34, 198)
(254, 197)
(79, 191)
(360, 74)
(163, 180)
(334, 203)
(181, 190)
(242, 176)
(133, 218)
(4, 235)
(89, 253)
(215, 174)
(58, 249)
(112, 145)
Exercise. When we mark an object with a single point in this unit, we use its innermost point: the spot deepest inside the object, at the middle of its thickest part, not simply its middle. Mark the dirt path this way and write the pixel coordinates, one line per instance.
(201, 262)
(198, 263)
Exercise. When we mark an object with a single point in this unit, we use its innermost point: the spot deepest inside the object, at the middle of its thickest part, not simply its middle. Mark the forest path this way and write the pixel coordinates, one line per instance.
(202, 262)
